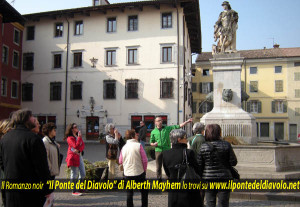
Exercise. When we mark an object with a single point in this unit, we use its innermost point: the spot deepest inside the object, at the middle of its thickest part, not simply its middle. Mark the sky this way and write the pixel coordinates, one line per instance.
(261, 22)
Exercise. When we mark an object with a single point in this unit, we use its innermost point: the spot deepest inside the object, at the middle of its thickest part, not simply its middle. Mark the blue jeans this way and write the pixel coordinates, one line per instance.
(74, 173)
(81, 169)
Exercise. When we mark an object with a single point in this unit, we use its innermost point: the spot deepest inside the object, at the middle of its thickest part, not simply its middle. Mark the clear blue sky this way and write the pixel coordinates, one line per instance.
(259, 20)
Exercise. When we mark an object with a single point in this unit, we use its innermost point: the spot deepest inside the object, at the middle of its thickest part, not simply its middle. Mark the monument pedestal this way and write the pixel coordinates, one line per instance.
(227, 111)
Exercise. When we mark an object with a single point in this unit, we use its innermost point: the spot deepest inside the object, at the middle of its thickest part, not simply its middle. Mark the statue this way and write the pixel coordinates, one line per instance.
(227, 95)
(225, 30)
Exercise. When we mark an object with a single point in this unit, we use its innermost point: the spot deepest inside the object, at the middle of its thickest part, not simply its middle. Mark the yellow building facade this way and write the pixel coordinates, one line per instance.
(271, 77)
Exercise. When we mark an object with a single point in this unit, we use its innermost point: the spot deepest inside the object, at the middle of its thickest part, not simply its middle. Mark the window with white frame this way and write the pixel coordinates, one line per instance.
(78, 28)
(110, 57)
(278, 69)
(14, 89)
(17, 36)
(111, 24)
(279, 106)
(297, 76)
(167, 54)
(5, 54)
(253, 70)
(206, 87)
(205, 107)
(132, 56)
(3, 86)
(16, 58)
(253, 86)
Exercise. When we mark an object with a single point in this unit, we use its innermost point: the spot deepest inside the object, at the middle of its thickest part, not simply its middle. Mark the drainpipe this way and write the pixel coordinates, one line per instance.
(245, 84)
(66, 80)
(178, 66)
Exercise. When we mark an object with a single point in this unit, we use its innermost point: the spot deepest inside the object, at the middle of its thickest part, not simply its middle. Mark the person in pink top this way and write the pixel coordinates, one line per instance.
(134, 160)
(74, 156)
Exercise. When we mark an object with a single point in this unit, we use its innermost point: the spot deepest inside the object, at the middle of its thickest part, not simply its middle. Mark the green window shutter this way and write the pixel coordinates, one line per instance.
(259, 106)
(284, 106)
(211, 105)
(248, 106)
(211, 86)
(273, 106)
(200, 108)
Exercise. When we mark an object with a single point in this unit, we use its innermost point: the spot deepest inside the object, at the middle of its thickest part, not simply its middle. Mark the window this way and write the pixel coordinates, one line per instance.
(14, 89)
(253, 70)
(253, 86)
(5, 55)
(131, 89)
(57, 61)
(3, 86)
(27, 91)
(297, 93)
(77, 59)
(264, 129)
(194, 107)
(296, 64)
(206, 87)
(133, 23)
(254, 106)
(78, 28)
(28, 59)
(112, 24)
(17, 36)
(132, 56)
(55, 91)
(58, 30)
(194, 87)
(30, 33)
(278, 69)
(109, 89)
(166, 20)
(279, 106)
(205, 107)
(76, 90)
(297, 111)
(166, 88)
(278, 85)
(205, 72)
(16, 59)
(110, 57)
(297, 76)
(166, 54)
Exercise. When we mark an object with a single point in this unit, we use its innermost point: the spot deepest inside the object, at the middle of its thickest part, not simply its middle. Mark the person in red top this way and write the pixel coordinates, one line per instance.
(74, 156)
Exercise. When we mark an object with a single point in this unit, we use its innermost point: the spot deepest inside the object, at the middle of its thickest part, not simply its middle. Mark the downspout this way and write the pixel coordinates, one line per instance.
(177, 62)
(245, 83)
(66, 80)
(184, 68)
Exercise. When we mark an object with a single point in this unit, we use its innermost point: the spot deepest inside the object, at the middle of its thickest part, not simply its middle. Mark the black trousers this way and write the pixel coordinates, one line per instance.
(144, 192)
(222, 195)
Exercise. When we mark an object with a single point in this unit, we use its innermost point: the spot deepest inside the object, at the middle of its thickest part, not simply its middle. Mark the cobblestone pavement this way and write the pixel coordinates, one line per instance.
(116, 199)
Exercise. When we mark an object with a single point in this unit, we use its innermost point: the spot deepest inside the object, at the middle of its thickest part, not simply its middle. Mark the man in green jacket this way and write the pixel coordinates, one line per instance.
(160, 139)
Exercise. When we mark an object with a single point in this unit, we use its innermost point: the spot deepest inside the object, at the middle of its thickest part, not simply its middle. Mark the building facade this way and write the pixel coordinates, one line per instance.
(271, 77)
(111, 63)
(11, 53)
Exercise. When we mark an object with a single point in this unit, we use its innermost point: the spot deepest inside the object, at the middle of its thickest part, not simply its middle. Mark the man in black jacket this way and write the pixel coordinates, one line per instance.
(142, 133)
(23, 158)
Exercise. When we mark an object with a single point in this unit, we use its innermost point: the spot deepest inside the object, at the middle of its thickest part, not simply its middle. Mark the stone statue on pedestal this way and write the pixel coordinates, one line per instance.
(225, 30)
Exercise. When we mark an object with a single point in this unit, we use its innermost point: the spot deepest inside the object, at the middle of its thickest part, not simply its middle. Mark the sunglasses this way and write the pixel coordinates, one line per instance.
(74, 127)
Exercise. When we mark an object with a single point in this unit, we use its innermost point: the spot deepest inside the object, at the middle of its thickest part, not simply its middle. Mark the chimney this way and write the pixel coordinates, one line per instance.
(276, 45)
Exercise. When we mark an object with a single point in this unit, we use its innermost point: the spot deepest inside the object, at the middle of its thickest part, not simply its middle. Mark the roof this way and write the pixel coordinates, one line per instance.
(190, 7)
(9, 13)
(259, 54)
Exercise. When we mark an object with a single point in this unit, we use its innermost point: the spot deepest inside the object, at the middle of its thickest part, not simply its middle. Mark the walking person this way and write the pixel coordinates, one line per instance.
(134, 160)
(215, 159)
(23, 158)
(74, 156)
(112, 143)
(142, 133)
(173, 158)
(160, 139)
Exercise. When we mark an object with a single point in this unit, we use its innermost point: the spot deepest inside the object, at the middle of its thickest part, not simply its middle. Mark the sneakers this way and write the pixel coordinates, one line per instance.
(76, 194)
